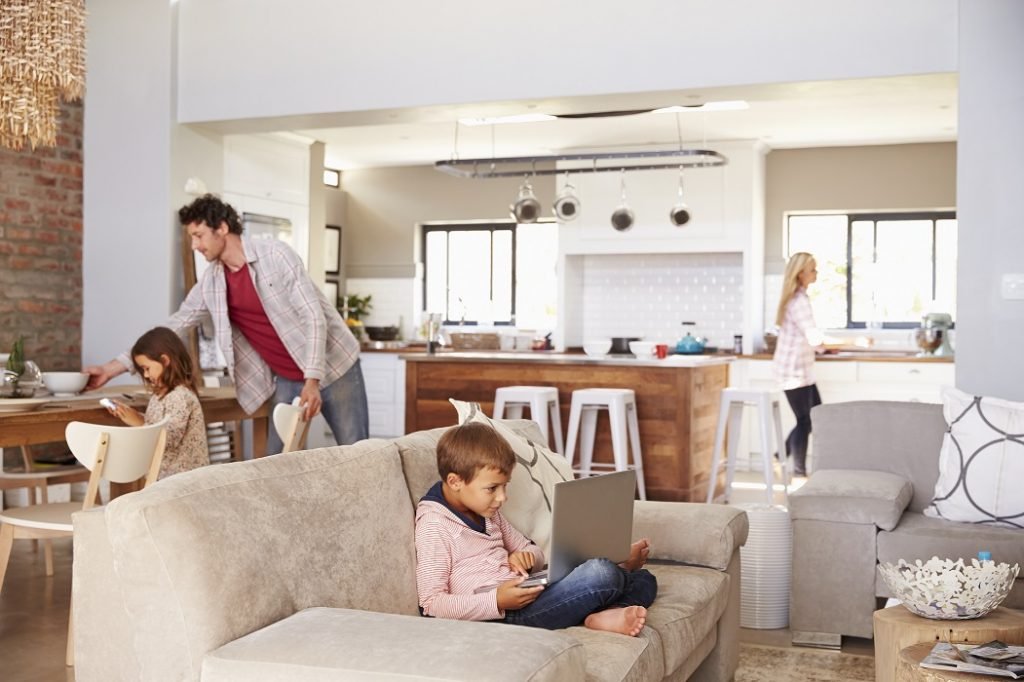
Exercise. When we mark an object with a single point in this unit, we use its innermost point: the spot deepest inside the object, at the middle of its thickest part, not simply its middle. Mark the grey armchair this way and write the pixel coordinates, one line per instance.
(876, 464)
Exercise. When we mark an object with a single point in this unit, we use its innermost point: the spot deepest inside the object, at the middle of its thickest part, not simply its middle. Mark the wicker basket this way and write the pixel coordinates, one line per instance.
(474, 341)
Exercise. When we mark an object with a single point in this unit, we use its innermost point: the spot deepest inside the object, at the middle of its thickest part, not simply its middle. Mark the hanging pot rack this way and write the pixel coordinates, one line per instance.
(518, 166)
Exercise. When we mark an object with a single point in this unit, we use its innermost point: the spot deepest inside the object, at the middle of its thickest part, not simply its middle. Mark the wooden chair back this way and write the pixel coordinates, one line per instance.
(119, 454)
(290, 425)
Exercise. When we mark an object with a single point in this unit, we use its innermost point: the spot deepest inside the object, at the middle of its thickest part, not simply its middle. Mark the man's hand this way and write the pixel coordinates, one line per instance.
(511, 597)
(521, 562)
(310, 399)
(101, 374)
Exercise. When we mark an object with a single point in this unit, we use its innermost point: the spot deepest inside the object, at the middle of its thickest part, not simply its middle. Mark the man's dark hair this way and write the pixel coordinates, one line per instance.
(212, 211)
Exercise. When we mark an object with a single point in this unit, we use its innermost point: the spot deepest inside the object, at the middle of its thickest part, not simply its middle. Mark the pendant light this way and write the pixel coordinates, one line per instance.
(679, 214)
(526, 208)
(567, 204)
(622, 217)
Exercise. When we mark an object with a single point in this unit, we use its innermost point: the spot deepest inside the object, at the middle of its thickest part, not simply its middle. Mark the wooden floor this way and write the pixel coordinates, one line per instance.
(34, 608)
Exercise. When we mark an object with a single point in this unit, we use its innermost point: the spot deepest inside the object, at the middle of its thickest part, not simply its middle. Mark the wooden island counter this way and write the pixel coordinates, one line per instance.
(677, 403)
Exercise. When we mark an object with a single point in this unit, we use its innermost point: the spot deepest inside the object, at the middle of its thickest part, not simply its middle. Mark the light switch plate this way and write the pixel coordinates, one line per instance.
(1013, 286)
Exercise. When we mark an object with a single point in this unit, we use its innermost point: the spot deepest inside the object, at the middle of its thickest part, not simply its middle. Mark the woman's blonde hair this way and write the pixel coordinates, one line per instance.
(791, 282)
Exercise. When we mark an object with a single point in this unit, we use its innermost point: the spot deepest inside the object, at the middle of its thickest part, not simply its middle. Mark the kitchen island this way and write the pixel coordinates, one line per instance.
(677, 402)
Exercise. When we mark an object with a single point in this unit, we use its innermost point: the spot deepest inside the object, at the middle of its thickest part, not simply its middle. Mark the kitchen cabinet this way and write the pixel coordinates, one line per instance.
(384, 376)
(839, 381)
(677, 403)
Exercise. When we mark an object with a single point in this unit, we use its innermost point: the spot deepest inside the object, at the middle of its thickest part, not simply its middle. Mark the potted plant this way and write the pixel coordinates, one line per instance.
(354, 308)
(20, 377)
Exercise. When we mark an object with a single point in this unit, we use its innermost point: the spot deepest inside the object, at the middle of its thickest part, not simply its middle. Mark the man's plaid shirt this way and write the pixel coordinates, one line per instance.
(310, 328)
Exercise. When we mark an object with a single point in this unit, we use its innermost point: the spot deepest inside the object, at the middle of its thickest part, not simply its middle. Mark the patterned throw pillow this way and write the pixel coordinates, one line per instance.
(533, 481)
(981, 464)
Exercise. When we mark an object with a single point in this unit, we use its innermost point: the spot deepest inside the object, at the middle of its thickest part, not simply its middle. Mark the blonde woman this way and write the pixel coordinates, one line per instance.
(799, 339)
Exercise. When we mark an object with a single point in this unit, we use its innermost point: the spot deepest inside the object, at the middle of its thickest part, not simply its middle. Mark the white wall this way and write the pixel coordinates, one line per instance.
(129, 248)
(990, 173)
(243, 59)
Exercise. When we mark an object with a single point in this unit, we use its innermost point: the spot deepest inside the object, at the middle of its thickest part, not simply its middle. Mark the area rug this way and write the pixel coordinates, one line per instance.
(774, 664)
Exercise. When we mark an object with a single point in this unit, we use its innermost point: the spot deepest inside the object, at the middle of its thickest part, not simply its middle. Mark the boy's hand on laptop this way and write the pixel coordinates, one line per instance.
(511, 597)
(521, 562)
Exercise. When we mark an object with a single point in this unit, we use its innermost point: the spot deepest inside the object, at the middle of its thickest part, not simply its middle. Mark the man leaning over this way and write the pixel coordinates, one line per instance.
(280, 336)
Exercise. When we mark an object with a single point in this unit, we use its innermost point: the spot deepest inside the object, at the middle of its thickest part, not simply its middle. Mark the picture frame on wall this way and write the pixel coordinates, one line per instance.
(332, 249)
(331, 292)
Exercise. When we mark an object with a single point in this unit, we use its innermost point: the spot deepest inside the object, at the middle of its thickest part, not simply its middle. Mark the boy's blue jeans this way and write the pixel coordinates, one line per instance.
(344, 407)
(592, 586)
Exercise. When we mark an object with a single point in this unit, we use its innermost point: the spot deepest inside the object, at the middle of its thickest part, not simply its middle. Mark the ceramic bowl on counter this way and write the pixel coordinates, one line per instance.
(64, 384)
(596, 348)
(642, 349)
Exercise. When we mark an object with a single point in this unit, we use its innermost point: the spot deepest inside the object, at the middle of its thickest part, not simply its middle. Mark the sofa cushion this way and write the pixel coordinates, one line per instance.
(690, 601)
(902, 438)
(921, 537)
(320, 645)
(852, 496)
(981, 463)
(611, 657)
(212, 554)
(532, 485)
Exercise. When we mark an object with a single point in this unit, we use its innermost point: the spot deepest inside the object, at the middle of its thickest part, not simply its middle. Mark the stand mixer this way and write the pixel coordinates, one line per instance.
(933, 335)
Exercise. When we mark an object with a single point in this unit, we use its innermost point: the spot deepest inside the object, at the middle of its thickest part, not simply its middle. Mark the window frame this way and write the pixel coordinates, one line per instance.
(491, 226)
(875, 217)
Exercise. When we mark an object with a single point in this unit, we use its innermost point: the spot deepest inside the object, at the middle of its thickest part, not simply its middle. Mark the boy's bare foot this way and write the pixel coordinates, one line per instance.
(628, 620)
(638, 552)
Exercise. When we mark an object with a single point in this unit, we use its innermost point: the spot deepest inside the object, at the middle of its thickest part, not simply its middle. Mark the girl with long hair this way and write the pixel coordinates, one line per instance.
(162, 360)
(799, 339)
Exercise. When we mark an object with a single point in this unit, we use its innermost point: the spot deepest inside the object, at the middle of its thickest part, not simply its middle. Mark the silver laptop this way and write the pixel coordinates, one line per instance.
(591, 518)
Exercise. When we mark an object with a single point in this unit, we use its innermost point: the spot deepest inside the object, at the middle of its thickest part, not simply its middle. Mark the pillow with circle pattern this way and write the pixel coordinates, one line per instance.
(533, 480)
(981, 463)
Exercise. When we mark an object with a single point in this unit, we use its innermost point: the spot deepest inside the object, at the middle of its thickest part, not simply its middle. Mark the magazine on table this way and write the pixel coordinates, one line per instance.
(991, 658)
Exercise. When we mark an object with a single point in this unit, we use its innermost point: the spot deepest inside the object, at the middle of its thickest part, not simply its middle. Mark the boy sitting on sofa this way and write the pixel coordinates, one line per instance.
(470, 560)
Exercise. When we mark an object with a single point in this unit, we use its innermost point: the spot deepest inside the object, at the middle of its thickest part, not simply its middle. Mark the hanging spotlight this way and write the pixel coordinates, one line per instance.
(567, 204)
(526, 208)
(679, 214)
(622, 217)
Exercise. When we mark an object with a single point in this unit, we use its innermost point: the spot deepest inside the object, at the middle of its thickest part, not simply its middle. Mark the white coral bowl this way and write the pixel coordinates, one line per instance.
(949, 590)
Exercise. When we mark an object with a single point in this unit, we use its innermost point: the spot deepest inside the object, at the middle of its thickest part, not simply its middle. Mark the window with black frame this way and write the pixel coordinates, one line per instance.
(498, 273)
(878, 270)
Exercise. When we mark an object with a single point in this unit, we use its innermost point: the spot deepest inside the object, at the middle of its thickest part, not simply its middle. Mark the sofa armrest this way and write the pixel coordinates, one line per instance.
(852, 496)
(699, 534)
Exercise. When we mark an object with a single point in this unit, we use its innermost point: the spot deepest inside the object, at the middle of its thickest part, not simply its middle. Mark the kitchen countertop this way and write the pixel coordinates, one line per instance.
(863, 356)
(550, 357)
(416, 354)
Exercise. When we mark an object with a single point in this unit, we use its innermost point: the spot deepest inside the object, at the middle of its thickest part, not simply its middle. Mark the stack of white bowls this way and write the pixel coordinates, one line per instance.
(766, 568)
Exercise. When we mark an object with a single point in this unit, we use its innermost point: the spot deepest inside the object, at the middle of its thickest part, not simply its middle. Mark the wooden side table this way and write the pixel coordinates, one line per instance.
(896, 628)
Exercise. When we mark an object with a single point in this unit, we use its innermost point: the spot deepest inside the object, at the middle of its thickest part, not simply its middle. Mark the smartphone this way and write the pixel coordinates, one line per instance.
(108, 403)
(534, 581)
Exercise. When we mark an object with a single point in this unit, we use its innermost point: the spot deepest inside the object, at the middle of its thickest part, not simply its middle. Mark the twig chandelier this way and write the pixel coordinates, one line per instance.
(42, 58)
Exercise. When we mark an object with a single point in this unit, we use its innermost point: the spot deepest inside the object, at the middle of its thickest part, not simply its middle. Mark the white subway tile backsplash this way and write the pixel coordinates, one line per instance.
(649, 295)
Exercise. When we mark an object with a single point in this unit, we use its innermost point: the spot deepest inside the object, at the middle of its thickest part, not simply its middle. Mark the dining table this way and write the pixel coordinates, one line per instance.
(44, 419)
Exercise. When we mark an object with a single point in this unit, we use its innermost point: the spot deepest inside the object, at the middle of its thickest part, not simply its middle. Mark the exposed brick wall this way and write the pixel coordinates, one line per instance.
(41, 247)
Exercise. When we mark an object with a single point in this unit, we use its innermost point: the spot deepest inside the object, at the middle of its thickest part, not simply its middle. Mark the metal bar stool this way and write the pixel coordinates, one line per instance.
(731, 409)
(621, 406)
(509, 401)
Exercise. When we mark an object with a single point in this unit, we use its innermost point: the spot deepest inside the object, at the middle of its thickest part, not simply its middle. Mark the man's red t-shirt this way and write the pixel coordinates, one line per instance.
(245, 310)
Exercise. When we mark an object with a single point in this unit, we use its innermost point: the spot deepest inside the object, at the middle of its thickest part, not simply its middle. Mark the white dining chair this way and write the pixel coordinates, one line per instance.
(290, 425)
(117, 454)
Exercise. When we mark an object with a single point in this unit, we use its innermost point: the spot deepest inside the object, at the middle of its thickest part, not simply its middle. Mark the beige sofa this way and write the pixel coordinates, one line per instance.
(876, 464)
(301, 567)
